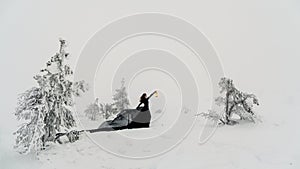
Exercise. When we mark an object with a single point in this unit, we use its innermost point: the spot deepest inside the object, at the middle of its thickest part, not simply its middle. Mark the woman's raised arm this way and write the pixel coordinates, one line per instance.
(151, 94)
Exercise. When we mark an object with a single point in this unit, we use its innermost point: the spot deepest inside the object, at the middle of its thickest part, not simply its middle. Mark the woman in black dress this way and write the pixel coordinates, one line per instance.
(144, 100)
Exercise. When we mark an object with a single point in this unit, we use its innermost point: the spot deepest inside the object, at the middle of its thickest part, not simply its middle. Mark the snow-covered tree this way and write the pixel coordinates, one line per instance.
(93, 110)
(120, 97)
(107, 110)
(31, 110)
(48, 108)
(232, 101)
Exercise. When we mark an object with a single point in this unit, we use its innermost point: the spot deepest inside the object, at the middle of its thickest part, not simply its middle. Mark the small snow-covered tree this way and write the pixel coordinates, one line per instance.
(93, 110)
(48, 108)
(232, 101)
(107, 110)
(120, 97)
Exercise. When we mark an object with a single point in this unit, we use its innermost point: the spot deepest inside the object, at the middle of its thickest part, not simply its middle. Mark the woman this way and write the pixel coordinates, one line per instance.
(144, 100)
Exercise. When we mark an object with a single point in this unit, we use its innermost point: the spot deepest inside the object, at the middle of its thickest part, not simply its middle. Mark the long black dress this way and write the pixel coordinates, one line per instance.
(144, 118)
(144, 101)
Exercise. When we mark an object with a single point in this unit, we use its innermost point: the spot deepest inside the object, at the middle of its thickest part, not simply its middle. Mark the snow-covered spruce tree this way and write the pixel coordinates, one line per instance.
(93, 110)
(48, 108)
(120, 98)
(232, 101)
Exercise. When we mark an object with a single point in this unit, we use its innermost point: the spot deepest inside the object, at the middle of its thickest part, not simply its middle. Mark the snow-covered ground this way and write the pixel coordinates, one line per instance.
(271, 144)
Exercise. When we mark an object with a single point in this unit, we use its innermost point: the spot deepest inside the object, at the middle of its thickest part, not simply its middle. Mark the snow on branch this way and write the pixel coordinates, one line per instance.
(233, 102)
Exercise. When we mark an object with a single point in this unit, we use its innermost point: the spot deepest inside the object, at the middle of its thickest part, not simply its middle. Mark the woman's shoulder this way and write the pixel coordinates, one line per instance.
(144, 99)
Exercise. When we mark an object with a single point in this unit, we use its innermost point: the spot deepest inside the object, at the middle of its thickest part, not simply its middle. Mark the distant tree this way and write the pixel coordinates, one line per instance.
(232, 101)
(107, 110)
(120, 102)
(48, 109)
(93, 110)
(120, 98)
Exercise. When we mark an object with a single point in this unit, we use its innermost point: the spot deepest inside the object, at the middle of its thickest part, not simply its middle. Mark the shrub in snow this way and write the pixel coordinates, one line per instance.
(47, 109)
(93, 110)
(232, 102)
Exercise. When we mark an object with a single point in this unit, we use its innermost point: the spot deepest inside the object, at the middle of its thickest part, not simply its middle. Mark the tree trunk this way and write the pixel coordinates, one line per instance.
(226, 108)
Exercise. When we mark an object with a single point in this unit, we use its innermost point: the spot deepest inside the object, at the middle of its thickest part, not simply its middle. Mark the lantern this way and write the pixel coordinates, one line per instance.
(156, 94)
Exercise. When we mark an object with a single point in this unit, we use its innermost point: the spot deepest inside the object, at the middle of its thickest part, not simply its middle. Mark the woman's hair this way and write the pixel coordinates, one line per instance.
(143, 96)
